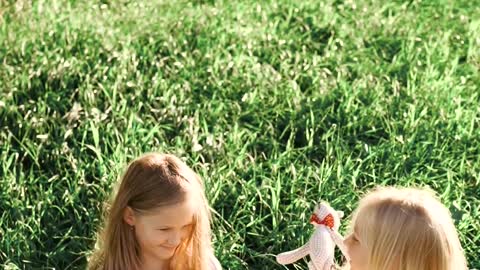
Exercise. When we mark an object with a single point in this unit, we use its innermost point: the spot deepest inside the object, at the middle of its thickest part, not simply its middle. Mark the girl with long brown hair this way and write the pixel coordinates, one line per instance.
(159, 219)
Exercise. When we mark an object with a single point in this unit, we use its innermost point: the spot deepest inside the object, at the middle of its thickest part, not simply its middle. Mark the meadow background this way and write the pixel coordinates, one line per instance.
(276, 104)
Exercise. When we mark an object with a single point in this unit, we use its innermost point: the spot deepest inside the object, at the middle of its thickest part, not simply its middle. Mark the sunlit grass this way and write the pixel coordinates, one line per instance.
(276, 104)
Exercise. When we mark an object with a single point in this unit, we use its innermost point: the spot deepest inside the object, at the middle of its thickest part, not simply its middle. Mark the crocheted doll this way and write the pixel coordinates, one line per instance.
(321, 246)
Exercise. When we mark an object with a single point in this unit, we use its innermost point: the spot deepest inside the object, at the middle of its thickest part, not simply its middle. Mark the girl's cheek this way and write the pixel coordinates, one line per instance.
(161, 236)
(155, 236)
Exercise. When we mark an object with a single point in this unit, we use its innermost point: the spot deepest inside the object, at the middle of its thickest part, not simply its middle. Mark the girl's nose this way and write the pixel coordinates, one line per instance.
(175, 239)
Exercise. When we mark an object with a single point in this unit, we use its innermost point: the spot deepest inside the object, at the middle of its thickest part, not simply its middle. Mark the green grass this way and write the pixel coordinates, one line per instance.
(276, 104)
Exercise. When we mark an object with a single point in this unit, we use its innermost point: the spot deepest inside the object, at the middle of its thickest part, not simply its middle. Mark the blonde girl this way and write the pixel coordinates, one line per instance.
(403, 229)
(158, 220)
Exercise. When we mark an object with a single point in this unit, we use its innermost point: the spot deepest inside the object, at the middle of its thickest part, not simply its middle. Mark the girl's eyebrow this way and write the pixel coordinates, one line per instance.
(169, 226)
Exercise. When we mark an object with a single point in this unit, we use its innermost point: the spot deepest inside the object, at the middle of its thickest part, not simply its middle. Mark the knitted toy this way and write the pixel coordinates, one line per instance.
(321, 246)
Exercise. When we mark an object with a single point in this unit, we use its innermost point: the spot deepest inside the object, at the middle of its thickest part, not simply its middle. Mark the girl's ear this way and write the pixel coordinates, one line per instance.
(129, 216)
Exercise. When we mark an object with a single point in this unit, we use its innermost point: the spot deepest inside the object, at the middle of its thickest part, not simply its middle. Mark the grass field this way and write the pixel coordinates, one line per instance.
(276, 104)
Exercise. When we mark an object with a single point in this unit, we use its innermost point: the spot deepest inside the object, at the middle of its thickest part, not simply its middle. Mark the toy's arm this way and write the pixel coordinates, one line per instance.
(293, 256)
(338, 239)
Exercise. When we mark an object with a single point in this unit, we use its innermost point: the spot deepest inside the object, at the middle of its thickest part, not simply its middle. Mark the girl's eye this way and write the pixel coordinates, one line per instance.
(352, 238)
(163, 229)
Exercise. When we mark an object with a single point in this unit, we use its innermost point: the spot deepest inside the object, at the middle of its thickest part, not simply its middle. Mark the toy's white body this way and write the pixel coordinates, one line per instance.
(321, 246)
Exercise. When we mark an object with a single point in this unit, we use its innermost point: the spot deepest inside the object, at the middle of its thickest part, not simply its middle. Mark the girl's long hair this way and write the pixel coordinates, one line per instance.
(151, 181)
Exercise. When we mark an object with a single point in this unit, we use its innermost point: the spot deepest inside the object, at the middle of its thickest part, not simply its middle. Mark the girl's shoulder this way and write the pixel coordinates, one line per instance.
(214, 263)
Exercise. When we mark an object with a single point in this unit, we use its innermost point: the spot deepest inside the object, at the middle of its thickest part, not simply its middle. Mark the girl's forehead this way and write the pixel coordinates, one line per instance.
(364, 218)
(356, 228)
(178, 214)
